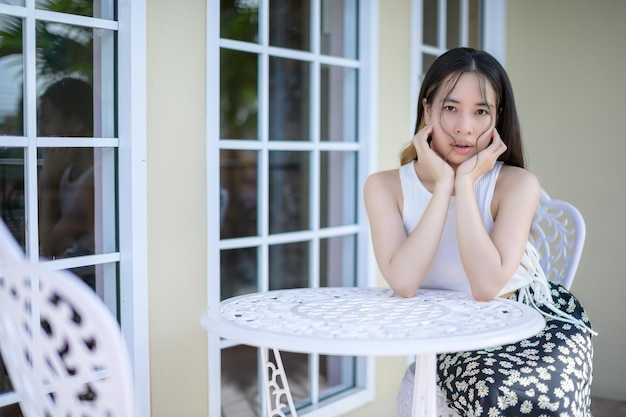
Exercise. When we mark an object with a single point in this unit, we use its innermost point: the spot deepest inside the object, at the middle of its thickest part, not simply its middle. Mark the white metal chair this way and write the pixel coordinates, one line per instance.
(62, 347)
(558, 234)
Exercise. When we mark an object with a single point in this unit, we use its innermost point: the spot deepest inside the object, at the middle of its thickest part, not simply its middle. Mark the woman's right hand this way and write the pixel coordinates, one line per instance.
(427, 159)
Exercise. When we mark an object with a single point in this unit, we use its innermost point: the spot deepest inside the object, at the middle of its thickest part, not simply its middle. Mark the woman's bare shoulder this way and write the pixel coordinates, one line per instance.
(516, 181)
(383, 180)
(512, 176)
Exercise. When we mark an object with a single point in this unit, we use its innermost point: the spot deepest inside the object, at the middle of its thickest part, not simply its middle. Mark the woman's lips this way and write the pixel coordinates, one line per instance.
(461, 149)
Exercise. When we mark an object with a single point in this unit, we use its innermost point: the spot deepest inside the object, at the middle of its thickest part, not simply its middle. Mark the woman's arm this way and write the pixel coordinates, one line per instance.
(403, 260)
(490, 260)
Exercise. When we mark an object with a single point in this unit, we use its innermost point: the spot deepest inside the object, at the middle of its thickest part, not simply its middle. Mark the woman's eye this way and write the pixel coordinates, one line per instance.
(449, 108)
(481, 112)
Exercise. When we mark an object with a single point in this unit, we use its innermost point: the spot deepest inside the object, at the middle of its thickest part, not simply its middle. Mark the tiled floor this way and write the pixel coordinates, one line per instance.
(601, 407)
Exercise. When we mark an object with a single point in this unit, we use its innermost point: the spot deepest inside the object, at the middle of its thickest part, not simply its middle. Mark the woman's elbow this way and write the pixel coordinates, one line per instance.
(405, 292)
(482, 294)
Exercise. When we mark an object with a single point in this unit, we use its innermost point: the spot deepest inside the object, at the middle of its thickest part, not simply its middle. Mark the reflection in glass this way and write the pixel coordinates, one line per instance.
(100, 8)
(289, 179)
(289, 99)
(453, 24)
(337, 373)
(338, 188)
(430, 20)
(239, 20)
(66, 53)
(339, 28)
(239, 193)
(337, 261)
(240, 390)
(12, 207)
(11, 76)
(14, 3)
(238, 271)
(338, 101)
(289, 265)
(238, 95)
(289, 24)
(66, 178)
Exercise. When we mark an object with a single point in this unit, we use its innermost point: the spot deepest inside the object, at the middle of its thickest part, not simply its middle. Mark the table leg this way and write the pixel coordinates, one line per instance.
(275, 386)
(425, 386)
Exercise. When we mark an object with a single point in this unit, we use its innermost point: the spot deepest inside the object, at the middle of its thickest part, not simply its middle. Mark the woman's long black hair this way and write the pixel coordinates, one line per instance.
(446, 70)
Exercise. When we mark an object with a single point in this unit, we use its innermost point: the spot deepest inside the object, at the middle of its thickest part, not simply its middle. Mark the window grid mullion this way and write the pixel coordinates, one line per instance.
(442, 14)
(263, 160)
(314, 245)
(30, 110)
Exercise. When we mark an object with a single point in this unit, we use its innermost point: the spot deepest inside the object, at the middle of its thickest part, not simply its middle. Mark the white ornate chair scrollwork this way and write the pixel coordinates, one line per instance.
(558, 234)
(62, 347)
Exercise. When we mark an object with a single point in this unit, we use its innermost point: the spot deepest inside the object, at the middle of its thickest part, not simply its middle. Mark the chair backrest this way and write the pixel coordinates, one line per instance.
(62, 347)
(558, 233)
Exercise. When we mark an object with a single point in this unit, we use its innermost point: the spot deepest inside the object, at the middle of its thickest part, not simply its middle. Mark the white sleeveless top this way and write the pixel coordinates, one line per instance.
(446, 271)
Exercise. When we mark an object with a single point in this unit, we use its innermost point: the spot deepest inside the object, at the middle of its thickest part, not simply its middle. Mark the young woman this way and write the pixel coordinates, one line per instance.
(457, 215)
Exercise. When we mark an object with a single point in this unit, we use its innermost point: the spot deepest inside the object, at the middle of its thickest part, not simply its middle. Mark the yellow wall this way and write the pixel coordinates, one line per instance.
(177, 207)
(566, 59)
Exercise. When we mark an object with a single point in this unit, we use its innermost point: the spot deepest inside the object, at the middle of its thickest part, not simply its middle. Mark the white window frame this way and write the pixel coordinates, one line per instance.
(132, 192)
(365, 147)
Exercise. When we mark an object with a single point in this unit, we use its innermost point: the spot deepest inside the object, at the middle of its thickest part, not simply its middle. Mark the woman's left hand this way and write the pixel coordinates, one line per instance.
(483, 161)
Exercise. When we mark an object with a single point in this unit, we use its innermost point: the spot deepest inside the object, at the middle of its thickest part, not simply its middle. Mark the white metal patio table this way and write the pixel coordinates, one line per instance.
(338, 320)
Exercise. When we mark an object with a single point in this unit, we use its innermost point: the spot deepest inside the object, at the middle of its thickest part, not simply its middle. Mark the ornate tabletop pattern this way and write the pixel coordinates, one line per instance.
(369, 313)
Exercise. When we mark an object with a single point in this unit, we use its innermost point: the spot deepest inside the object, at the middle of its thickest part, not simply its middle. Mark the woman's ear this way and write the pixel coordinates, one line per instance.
(427, 109)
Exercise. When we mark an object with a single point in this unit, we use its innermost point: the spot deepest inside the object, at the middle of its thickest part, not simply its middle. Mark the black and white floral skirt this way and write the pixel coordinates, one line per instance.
(546, 375)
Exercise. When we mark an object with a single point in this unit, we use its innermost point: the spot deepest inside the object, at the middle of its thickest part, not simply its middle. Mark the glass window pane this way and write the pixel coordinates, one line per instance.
(239, 193)
(338, 188)
(297, 370)
(453, 24)
(474, 24)
(77, 189)
(238, 271)
(289, 24)
(240, 391)
(339, 105)
(100, 8)
(12, 207)
(337, 373)
(11, 76)
(338, 261)
(66, 109)
(14, 3)
(11, 410)
(427, 61)
(238, 95)
(67, 59)
(430, 20)
(239, 20)
(289, 98)
(289, 179)
(289, 265)
(339, 29)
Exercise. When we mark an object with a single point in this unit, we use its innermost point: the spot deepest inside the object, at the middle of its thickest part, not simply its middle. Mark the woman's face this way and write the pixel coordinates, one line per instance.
(463, 120)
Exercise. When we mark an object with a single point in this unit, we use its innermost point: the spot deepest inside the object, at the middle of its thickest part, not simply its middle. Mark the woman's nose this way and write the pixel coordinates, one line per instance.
(464, 125)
